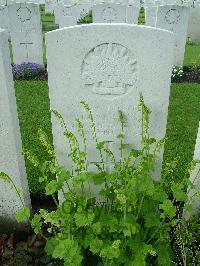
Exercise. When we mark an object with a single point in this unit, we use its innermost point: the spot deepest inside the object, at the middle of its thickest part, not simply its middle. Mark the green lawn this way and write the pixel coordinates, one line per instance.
(184, 115)
(33, 109)
(192, 55)
(183, 120)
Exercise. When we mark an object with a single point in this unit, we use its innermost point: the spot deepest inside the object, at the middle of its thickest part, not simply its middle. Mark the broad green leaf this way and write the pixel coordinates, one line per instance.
(168, 209)
(23, 215)
(164, 253)
(51, 187)
(36, 223)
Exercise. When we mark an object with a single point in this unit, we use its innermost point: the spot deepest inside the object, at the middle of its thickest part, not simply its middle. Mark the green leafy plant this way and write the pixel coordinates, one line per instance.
(86, 18)
(24, 213)
(129, 220)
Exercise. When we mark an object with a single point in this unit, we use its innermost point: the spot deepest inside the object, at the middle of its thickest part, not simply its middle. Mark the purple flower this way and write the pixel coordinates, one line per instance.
(26, 70)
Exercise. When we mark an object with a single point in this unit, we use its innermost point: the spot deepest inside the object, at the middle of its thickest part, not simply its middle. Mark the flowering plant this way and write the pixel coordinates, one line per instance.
(26, 70)
(177, 72)
(120, 217)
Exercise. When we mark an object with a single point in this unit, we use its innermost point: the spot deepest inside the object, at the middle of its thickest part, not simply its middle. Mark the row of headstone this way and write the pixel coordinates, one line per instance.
(112, 65)
(126, 55)
(26, 29)
(193, 22)
(172, 18)
(23, 21)
(68, 15)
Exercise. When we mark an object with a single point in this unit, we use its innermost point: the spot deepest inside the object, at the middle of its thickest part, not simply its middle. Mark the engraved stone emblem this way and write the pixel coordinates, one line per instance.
(109, 14)
(24, 14)
(172, 16)
(109, 69)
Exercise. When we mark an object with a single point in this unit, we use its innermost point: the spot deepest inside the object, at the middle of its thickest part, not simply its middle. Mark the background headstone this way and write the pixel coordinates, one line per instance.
(26, 33)
(50, 5)
(175, 19)
(4, 20)
(132, 14)
(150, 15)
(195, 179)
(194, 25)
(3, 2)
(11, 160)
(109, 13)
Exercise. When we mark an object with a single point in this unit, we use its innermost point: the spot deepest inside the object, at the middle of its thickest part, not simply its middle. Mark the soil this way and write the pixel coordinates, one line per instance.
(24, 250)
(190, 75)
(27, 249)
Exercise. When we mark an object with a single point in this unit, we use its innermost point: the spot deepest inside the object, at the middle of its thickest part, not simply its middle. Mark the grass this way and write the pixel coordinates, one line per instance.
(192, 55)
(183, 119)
(48, 20)
(33, 109)
(182, 126)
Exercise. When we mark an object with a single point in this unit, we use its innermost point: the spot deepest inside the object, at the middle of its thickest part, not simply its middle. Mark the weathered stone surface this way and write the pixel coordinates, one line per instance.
(150, 15)
(64, 17)
(26, 33)
(67, 21)
(3, 2)
(109, 13)
(132, 13)
(195, 179)
(4, 20)
(50, 5)
(108, 65)
(175, 19)
(11, 160)
(194, 25)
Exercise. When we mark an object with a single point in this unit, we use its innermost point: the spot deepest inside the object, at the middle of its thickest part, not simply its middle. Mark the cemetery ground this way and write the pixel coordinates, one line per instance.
(33, 109)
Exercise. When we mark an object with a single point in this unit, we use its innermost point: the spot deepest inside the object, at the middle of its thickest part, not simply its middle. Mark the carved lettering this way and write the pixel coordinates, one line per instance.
(172, 16)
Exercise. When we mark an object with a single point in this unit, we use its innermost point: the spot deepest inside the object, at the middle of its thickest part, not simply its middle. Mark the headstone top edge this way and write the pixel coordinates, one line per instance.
(113, 25)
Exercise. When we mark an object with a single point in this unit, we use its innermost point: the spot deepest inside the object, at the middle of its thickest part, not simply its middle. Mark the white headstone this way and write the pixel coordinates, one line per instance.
(194, 25)
(3, 2)
(39, 2)
(50, 5)
(109, 13)
(11, 160)
(26, 33)
(132, 14)
(80, 10)
(175, 19)
(109, 70)
(4, 20)
(195, 179)
(66, 21)
(149, 3)
(150, 15)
